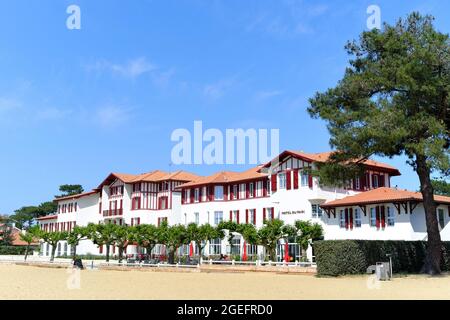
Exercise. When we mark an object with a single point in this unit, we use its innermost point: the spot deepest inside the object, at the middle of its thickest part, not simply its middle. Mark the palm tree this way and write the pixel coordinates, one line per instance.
(306, 231)
(75, 236)
(29, 236)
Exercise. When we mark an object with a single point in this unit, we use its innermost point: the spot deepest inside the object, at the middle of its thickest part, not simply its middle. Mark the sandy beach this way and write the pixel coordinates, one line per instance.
(31, 282)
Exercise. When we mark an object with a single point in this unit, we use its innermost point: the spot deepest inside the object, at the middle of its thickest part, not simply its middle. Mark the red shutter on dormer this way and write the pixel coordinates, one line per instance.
(381, 180)
(238, 196)
(273, 181)
(211, 193)
(383, 217)
(254, 188)
(288, 180)
(264, 214)
(264, 185)
(351, 217)
(346, 218)
(377, 214)
(200, 194)
(310, 181)
(296, 179)
(246, 215)
(225, 192)
(247, 190)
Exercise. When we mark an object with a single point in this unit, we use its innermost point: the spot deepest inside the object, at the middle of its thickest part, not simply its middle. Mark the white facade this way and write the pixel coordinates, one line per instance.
(282, 190)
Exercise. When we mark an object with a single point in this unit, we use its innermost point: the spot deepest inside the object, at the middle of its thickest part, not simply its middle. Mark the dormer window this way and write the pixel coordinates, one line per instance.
(251, 189)
(218, 193)
(282, 180)
(196, 195)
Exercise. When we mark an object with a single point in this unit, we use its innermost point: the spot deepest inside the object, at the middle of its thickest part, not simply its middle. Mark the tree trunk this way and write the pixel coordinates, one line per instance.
(52, 257)
(107, 252)
(74, 255)
(172, 256)
(26, 251)
(432, 263)
(120, 254)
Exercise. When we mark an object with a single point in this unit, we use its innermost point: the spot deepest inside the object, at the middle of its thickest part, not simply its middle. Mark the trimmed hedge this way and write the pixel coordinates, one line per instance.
(12, 250)
(339, 257)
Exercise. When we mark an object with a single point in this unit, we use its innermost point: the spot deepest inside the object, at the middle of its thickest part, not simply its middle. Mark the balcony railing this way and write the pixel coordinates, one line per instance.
(112, 212)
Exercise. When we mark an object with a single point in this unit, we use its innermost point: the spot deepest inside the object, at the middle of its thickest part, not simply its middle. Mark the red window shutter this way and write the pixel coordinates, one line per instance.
(254, 189)
(231, 192)
(200, 194)
(139, 220)
(272, 212)
(381, 180)
(288, 180)
(238, 191)
(351, 217)
(139, 202)
(211, 193)
(264, 185)
(225, 192)
(237, 217)
(346, 218)
(310, 181)
(247, 190)
(191, 195)
(183, 196)
(264, 214)
(383, 218)
(296, 179)
(246, 215)
(254, 216)
(273, 181)
(231, 215)
(100, 249)
(377, 214)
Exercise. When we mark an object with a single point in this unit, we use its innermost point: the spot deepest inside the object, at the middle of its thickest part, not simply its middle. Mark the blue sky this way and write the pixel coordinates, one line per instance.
(76, 105)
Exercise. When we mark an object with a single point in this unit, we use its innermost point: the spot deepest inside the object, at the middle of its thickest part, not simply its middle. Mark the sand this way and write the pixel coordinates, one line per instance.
(31, 282)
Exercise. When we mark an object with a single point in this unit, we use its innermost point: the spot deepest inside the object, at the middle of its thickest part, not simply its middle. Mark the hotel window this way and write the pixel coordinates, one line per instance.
(390, 216)
(251, 189)
(316, 211)
(357, 218)
(235, 191)
(235, 245)
(252, 216)
(341, 219)
(215, 246)
(282, 178)
(218, 193)
(196, 194)
(136, 187)
(269, 214)
(196, 218)
(304, 179)
(373, 217)
(441, 218)
(235, 216)
(163, 203)
(375, 181)
(218, 217)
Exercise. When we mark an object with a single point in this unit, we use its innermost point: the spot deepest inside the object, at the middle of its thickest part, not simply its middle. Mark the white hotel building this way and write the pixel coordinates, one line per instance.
(367, 209)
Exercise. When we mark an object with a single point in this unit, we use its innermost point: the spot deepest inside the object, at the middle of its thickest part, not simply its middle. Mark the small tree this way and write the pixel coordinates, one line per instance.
(74, 237)
(32, 234)
(122, 235)
(270, 234)
(306, 231)
(173, 237)
(70, 190)
(53, 238)
(202, 234)
(441, 187)
(102, 234)
(145, 235)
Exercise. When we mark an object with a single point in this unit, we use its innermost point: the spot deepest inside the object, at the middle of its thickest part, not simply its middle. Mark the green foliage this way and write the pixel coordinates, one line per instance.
(6, 238)
(70, 190)
(340, 257)
(270, 233)
(145, 235)
(15, 250)
(203, 233)
(441, 187)
(306, 232)
(173, 237)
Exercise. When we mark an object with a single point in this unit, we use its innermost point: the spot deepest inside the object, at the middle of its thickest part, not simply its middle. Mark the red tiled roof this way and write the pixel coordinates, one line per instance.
(324, 156)
(382, 195)
(152, 176)
(77, 196)
(226, 177)
(49, 217)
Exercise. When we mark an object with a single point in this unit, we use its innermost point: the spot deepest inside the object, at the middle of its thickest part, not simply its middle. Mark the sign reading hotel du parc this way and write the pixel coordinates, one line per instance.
(293, 212)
